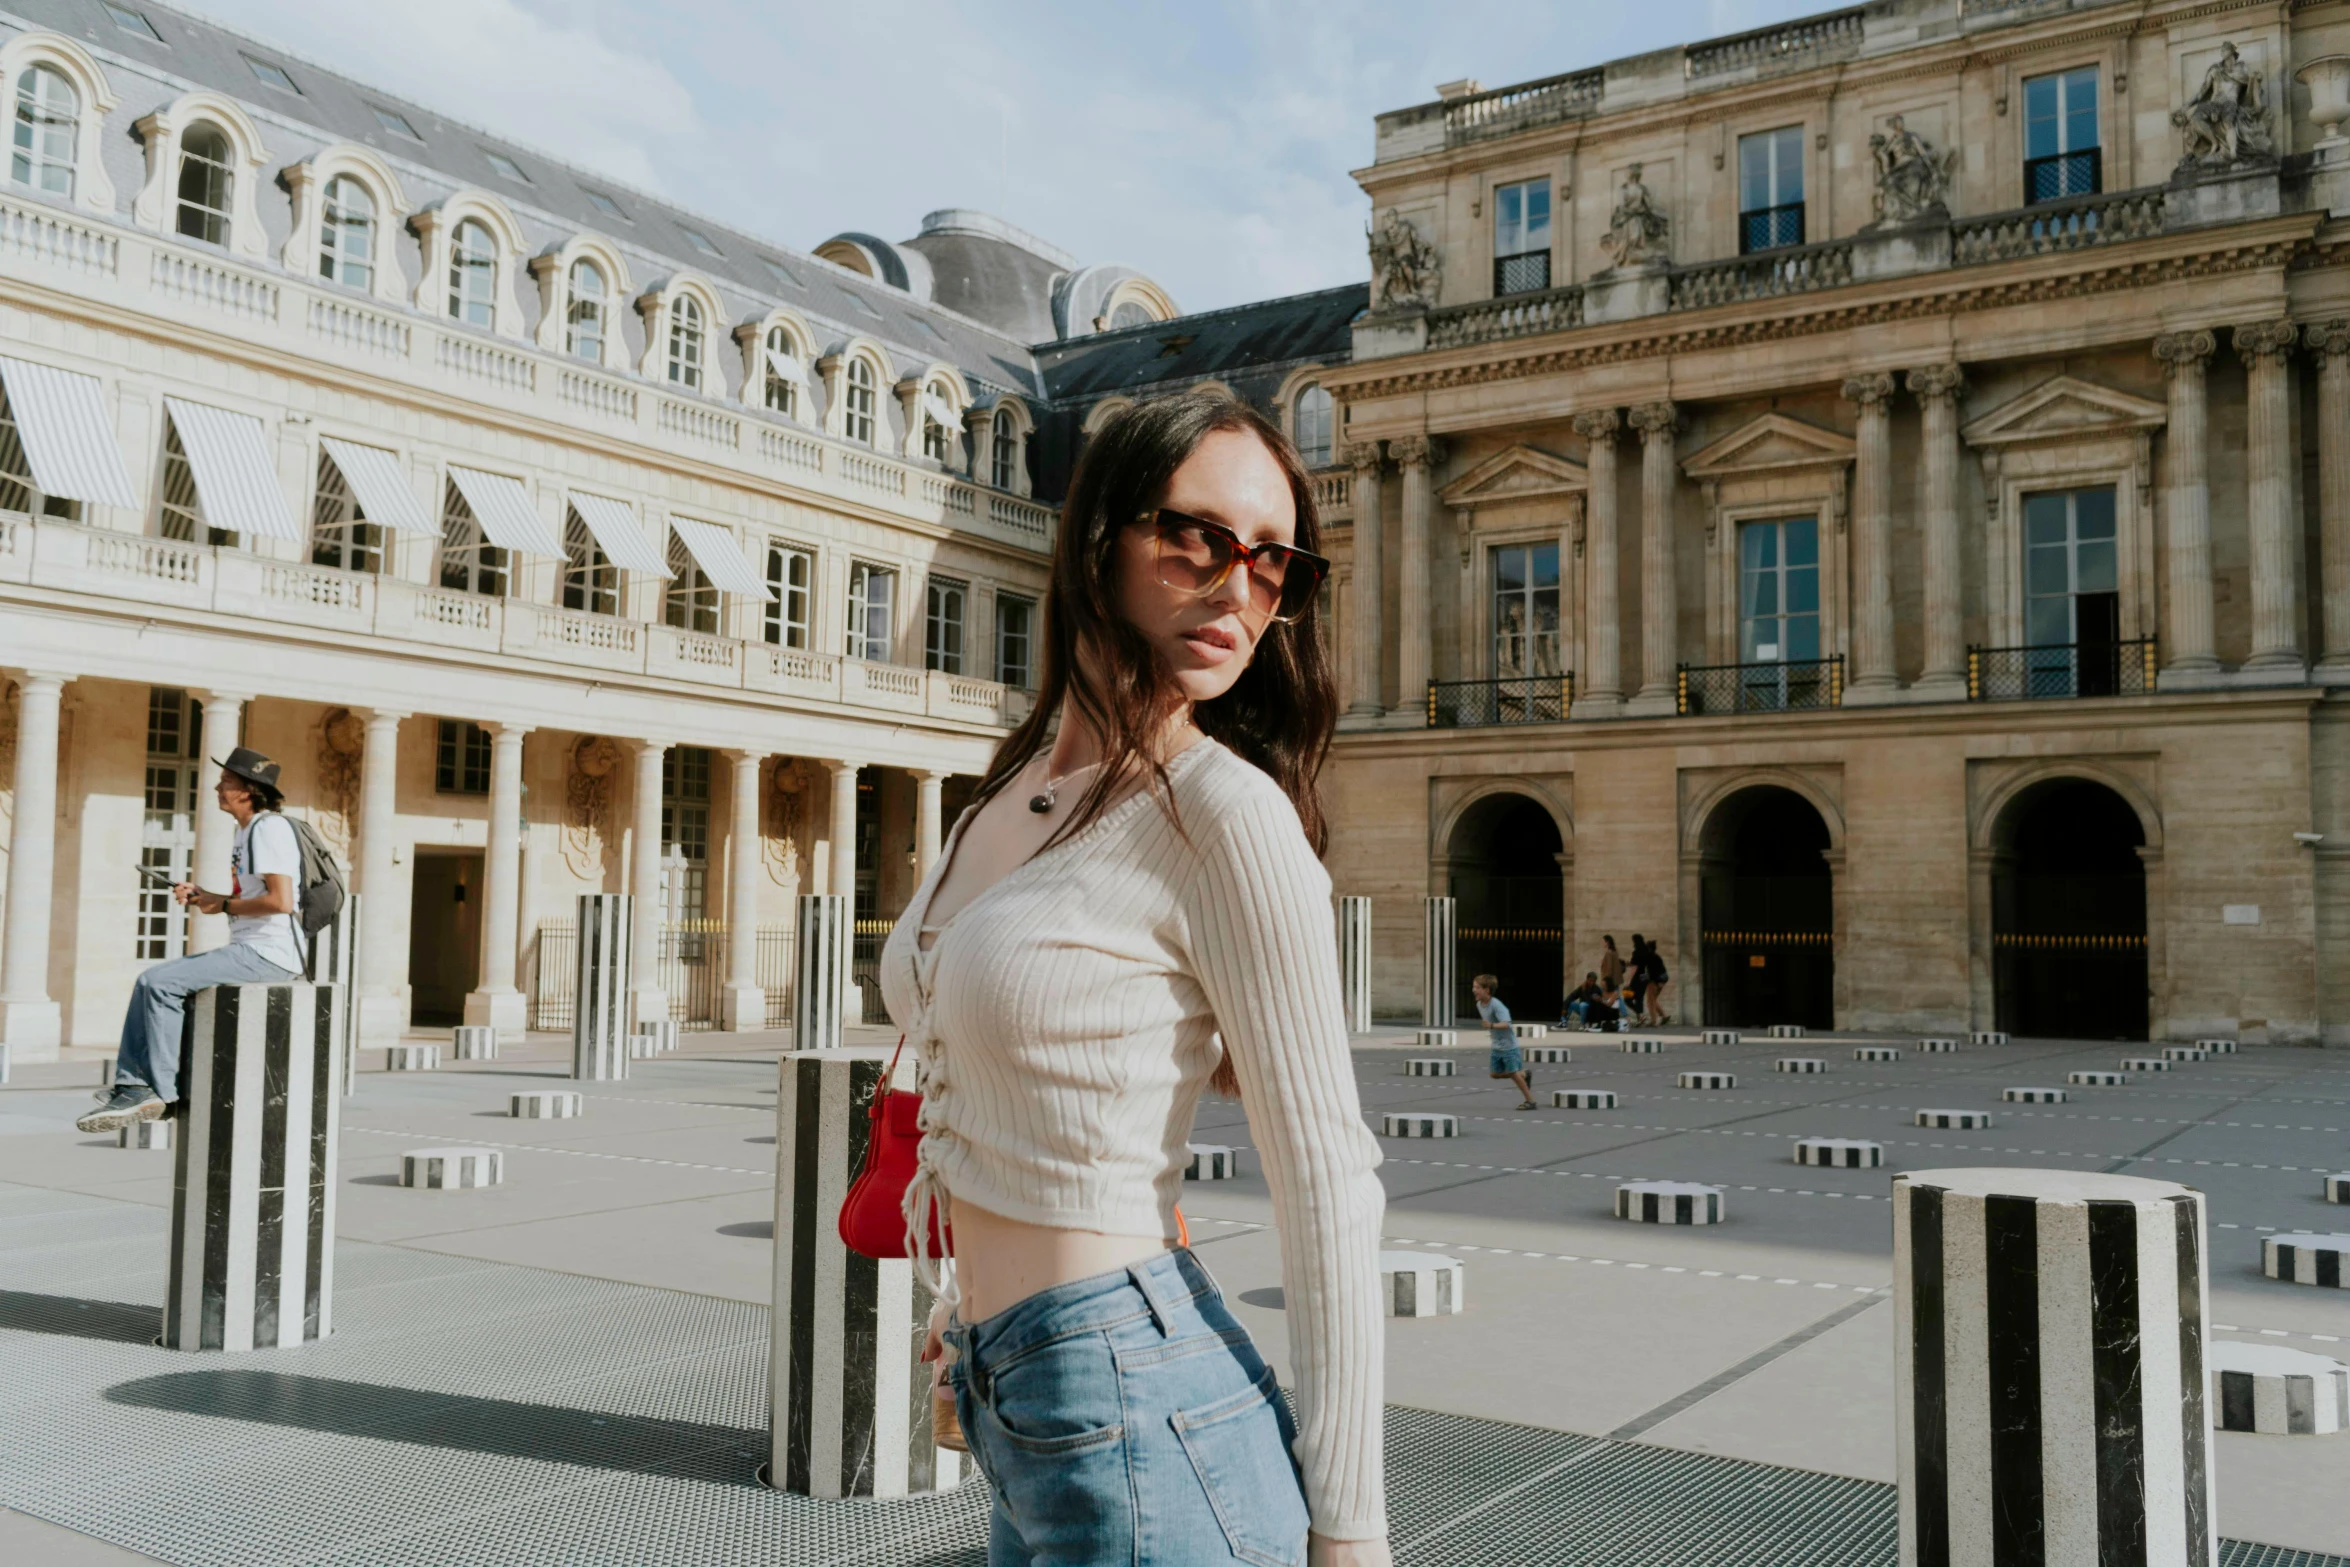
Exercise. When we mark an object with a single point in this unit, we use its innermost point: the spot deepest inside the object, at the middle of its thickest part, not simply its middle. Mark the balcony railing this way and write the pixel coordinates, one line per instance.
(1795, 271)
(1789, 46)
(2053, 226)
(1770, 228)
(2060, 669)
(1797, 686)
(1528, 272)
(2061, 175)
(1519, 315)
(1507, 110)
(1512, 699)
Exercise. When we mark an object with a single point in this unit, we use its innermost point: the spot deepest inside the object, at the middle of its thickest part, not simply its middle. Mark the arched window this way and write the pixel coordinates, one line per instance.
(590, 581)
(346, 234)
(1003, 461)
(938, 439)
(207, 184)
(1131, 314)
(473, 274)
(583, 327)
(1313, 426)
(685, 342)
(781, 394)
(48, 125)
(857, 402)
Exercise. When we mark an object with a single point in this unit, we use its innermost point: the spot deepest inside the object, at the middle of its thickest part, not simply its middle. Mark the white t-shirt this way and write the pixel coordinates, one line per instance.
(266, 846)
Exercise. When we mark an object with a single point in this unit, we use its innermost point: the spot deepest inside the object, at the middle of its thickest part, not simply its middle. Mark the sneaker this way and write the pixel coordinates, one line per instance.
(1529, 1105)
(129, 1103)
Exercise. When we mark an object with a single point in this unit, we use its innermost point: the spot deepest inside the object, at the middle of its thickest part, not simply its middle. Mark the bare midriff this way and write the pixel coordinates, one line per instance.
(1000, 1262)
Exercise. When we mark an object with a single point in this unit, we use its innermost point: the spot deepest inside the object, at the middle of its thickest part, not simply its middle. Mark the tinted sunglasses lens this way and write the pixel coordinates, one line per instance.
(1300, 579)
(1191, 558)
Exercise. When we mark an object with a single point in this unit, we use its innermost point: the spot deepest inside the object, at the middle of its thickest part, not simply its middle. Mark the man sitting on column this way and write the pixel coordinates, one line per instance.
(265, 945)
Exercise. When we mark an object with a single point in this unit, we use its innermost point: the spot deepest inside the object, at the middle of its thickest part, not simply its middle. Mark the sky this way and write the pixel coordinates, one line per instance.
(1208, 144)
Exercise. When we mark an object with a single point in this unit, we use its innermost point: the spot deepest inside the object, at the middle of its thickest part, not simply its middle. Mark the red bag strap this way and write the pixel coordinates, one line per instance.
(882, 1090)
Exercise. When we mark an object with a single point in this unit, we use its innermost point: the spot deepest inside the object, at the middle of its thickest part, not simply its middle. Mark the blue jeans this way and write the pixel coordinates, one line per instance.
(1127, 1418)
(150, 1050)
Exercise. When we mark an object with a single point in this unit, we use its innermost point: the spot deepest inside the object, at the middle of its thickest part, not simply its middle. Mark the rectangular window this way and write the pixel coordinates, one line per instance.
(685, 838)
(2061, 156)
(1779, 591)
(167, 834)
(690, 602)
(1004, 455)
(340, 534)
(1521, 237)
(469, 563)
(1525, 610)
(785, 617)
(1770, 189)
(942, 625)
(590, 581)
(1015, 641)
(461, 759)
(872, 593)
(2072, 599)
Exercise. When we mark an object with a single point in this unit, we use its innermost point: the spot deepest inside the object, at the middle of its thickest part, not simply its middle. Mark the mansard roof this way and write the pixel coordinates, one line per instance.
(1209, 345)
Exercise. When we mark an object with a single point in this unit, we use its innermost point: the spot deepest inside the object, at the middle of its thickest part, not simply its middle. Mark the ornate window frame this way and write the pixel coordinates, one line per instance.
(1136, 290)
(833, 369)
(946, 383)
(165, 130)
(1771, 468)
(92, 189)
(2067, 434)
(551, 268)
(988, 426)
(1516, 477)
(654, 307)
(307, 181)
(436, 224)
(751, 339)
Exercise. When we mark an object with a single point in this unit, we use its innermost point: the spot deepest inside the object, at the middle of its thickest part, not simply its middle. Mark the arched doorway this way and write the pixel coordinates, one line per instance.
(1509, 918)
(1768, 912)
(2068, 913)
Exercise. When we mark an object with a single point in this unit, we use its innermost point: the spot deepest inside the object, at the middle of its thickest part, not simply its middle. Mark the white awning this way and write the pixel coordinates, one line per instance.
(943, 411)
(502, 506)
(714, 550)
(375, 478)
(614, 526)
(788, 366)
(68, 440)
(236, 478)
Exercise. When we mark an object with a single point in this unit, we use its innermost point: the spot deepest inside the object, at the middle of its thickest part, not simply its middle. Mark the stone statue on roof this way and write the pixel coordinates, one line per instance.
(1406, 270)
(1911, 176)
(1638, 232)
(2226, 123)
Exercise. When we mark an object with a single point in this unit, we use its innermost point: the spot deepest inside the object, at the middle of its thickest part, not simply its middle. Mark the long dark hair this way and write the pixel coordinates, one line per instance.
(1278, 715)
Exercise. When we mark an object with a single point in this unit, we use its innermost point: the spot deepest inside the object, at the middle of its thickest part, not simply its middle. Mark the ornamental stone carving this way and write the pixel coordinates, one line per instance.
(1363, 456)
(1598, 424)
(1407, 272)
(2327, 339)
(342, 742)
(1869, 391)
(2183, 352)
(1638, 232)
(787, 800)
(1937, 383)
(1416, 451)
(2226, 123)
(1912, 178)
(1655, 421)
(587, 803)
(2271, 340)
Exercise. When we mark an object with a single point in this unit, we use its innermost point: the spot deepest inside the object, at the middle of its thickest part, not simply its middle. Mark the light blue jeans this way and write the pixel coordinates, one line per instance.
(150, 1049)
(1127, 1418)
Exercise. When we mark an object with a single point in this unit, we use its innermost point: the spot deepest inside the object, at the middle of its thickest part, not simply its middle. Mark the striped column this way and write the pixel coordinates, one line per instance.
(334, 960)
(1354, 961)
(599, 995)
(253, 1188)
(1437, 977)
(2049, 1369)
(851, 1405)
(820, 980)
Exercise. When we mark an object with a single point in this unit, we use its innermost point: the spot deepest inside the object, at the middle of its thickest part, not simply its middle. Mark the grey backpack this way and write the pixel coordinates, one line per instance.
(321, 881)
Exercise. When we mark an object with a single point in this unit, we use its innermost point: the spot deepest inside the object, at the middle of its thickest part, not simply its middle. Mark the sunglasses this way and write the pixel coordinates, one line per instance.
(1197, 556)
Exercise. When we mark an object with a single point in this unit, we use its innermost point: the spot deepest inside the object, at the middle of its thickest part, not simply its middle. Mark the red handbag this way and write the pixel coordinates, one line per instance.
(873, 1214)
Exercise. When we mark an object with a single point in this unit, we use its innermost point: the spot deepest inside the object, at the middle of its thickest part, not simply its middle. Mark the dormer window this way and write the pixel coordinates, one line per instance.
(346, 234)
(1770, 189)
(207, 184)
(1004, 455)
(1314, 413)
(1131, 314)
(397, 124)
(134, 22)
(685, 342)
(605, 204)
(48, 126)
(505, 167)
(857, 402)
(1521, 237)
(779, 392)
(700, 241)
(583, 327)
(274, 75)
(473, 274)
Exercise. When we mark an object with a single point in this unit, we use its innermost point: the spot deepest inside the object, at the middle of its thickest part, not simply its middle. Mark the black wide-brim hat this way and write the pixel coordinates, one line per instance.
(252, 766)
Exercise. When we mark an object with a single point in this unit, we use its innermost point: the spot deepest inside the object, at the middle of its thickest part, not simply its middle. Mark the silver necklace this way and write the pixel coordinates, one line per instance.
(1042, 803)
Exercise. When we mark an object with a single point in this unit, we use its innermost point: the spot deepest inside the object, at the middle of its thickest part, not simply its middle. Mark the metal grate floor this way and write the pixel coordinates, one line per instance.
(472, 1412)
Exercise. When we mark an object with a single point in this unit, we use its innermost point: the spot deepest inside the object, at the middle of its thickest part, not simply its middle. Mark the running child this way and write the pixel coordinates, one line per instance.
(1502, 1056)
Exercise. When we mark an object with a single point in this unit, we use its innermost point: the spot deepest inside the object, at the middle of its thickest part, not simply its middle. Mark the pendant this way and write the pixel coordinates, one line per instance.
(1041, 804)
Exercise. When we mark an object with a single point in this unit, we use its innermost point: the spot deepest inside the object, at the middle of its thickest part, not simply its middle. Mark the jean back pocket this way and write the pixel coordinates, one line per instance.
(1244, 1465)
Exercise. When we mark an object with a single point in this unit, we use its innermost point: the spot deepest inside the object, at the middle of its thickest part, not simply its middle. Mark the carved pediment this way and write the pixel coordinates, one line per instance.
(1518, 474)
(1771, 442)
(2065, 409)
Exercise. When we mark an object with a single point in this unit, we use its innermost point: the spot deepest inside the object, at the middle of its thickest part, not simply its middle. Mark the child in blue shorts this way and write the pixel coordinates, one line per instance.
(1502, 1056)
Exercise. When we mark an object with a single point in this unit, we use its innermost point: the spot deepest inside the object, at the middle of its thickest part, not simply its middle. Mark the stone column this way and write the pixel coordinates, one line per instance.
(1368, 601)
(2186, 623)
(1660, 621)
(929, 803)
(1415, 651)
(1600, 694)
(647, 1001)
(603, 962)
(2330, 341)
(1870, 675)
(743, 1005)
(216, 830)
(1938, 389)
(31, 1024)
(381, 1014)
(1438, 978)
(843, 854)
(1354, 961)
(498, 1003)
(2266, 348)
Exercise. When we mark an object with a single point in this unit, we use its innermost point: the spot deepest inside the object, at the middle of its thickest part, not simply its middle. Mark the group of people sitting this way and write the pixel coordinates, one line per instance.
(1612, 997)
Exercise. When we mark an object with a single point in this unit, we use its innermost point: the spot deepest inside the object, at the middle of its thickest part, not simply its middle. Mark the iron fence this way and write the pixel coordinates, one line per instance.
(1516, 699)
(691, 965)
(2062, 174)
(1795, 686)
(2060, 669)
(1770, 228)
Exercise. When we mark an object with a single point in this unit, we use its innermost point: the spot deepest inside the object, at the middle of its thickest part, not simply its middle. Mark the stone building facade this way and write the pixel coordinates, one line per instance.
(555, 539)
(1867, 504)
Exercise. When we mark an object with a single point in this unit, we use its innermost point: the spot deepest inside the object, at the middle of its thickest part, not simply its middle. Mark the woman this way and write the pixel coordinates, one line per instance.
(1653, 997)
(1636, 979)
(1611, 963)
(1145, 847)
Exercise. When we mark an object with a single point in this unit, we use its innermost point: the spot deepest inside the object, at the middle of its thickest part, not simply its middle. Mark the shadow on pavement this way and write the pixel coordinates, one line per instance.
(118, 1321)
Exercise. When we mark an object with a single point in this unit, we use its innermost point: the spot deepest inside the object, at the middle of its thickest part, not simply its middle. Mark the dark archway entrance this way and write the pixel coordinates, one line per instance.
(1509, 919)
(1769, 912)
(2068, 913)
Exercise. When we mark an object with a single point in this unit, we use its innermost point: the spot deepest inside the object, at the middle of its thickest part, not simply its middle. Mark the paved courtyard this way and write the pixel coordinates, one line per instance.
(571, 1367)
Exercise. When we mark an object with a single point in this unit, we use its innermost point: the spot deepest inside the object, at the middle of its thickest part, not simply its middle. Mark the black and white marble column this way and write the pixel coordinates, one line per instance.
(1354, 961)
(2049, 1369)
(851, 1406)
(1438, 977)
(599, 995)
(334, 960)
(820, 979)
(252, 1203)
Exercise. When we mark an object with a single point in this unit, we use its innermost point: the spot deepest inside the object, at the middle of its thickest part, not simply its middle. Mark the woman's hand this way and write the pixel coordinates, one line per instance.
(1321, 1552)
